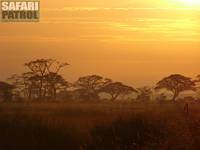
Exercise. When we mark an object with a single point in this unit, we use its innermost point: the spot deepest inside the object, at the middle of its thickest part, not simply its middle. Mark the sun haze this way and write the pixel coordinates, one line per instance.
(137, 42)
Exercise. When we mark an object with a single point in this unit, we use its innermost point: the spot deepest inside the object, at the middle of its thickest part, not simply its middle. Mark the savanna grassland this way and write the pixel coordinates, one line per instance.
(98, 126)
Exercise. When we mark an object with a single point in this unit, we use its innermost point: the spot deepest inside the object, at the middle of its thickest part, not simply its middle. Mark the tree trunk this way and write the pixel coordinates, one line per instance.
(175, 96)
(54, 93)
(40, 89)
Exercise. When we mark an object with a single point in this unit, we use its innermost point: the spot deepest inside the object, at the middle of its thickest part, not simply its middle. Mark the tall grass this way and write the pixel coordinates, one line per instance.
(98, 127)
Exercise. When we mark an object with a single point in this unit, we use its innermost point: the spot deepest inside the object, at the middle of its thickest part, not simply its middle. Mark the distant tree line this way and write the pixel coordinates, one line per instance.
(43, 81)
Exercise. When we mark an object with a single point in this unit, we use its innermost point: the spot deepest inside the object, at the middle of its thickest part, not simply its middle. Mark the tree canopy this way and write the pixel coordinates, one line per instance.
(42, 80)
(115, 89)
(90, 86)
(176, 83)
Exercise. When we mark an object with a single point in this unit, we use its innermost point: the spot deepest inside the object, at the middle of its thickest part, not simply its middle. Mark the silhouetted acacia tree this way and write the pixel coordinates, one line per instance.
(31, 84)
(197, 81)
(176, 83)
(116, 89)
(44, 69)
(90, 86)
(27, 84)
(145, 94)
(198, 78)
(54, 82)
(42, 81)
(17, 82)
(6, 91)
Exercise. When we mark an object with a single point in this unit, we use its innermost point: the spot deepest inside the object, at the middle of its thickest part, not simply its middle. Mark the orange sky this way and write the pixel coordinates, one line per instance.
(130, 41)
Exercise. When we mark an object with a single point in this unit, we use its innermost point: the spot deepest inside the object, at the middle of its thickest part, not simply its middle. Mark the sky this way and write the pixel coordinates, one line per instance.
(136, 42)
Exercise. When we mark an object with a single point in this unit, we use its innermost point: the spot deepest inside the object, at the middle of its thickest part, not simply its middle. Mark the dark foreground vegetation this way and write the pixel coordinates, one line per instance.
(55, 126)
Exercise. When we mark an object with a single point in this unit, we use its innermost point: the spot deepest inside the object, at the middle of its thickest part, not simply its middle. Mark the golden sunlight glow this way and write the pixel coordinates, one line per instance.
(191, 2)
(152, 38)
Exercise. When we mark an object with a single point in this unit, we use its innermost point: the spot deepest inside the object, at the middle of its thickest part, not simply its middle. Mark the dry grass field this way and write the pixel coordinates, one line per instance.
(75, 126)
